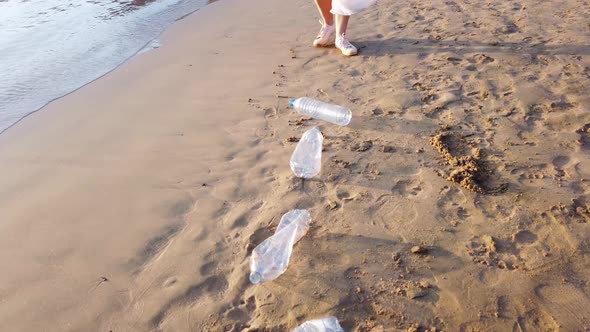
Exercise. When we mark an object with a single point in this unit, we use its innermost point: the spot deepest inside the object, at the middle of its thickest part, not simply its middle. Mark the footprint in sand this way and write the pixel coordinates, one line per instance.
(449, 209)
(340, 197)
(560, 161)
(496, 208)
(391, 212)
(240, 219)
(524, 237)
(408, 188)
(156, 245)
(241, 312)
(212, 286)
(584, 133)
(491, 251)
(536, 113)
(576, 212)
(536, 320)
(208, 268)
(508, 29)
(535, 253)
(483, 59)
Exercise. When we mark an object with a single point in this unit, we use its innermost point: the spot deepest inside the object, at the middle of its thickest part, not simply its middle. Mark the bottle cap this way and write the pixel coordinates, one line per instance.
(255, 277)
(291, 102)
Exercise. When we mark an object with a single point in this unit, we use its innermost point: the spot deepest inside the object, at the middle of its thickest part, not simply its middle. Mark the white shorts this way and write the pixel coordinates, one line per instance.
(349, 7)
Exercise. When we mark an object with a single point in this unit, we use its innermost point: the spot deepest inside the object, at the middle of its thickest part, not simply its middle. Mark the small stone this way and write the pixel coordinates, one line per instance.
(292, 139)
(424, 284)
(362, 146)
(342, 163)
(249, 246)
(396, 256)
(388, 149)
(489, 243)
(414, 292)
(377, 111)
(419, 250)
(333, 205)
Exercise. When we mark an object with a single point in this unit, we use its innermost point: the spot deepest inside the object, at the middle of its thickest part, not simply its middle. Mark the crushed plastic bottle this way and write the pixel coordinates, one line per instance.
(306, 161)
(316, 109)
(328, 324)
(270, 258)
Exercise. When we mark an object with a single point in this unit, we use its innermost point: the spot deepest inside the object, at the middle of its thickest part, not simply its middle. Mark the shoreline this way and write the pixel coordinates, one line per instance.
(134, 203)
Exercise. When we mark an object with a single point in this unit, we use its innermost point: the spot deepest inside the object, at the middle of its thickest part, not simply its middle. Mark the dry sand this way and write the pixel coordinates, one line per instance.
(456, 200)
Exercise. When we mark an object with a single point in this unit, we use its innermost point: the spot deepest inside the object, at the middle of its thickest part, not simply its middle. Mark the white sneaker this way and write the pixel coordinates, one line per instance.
(326, 36)
(345, 46)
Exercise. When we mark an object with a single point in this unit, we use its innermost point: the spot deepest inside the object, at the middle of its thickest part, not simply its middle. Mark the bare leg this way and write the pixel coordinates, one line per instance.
(324, 6)
(326, 36)
(341, 24)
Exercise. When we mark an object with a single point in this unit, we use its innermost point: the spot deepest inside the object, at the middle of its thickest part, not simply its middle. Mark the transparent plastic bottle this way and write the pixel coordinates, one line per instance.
(306, 161)
(316, 109)
(328, 324)
(270, 258)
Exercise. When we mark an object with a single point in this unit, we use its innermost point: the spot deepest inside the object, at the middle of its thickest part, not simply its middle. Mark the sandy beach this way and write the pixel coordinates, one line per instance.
(456, 200)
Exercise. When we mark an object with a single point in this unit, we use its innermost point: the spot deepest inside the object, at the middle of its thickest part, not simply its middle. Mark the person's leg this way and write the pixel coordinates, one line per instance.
(324, 7)
(341, 42)
(327, 34)
(341, 24)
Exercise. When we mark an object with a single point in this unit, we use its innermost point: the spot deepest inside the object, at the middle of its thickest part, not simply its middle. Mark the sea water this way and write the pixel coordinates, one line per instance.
(49, 48)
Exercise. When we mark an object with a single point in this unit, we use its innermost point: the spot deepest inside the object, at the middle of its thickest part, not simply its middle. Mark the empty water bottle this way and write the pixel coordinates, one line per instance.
(270, 258)
(328, 324)
(306, 161)
(316, 109)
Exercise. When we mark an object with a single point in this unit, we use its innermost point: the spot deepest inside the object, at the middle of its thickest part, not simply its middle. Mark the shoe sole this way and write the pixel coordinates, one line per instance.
(324, 45)
(343, 53)
(331, 42)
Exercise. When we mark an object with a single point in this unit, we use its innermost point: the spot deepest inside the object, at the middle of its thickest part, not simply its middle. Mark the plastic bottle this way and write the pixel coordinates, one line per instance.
(270, 258)
(306, 161)
(328, 324)
(316, 109)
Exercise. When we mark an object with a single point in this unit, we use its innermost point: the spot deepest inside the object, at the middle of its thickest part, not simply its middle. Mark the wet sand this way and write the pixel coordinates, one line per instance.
(456, 199)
